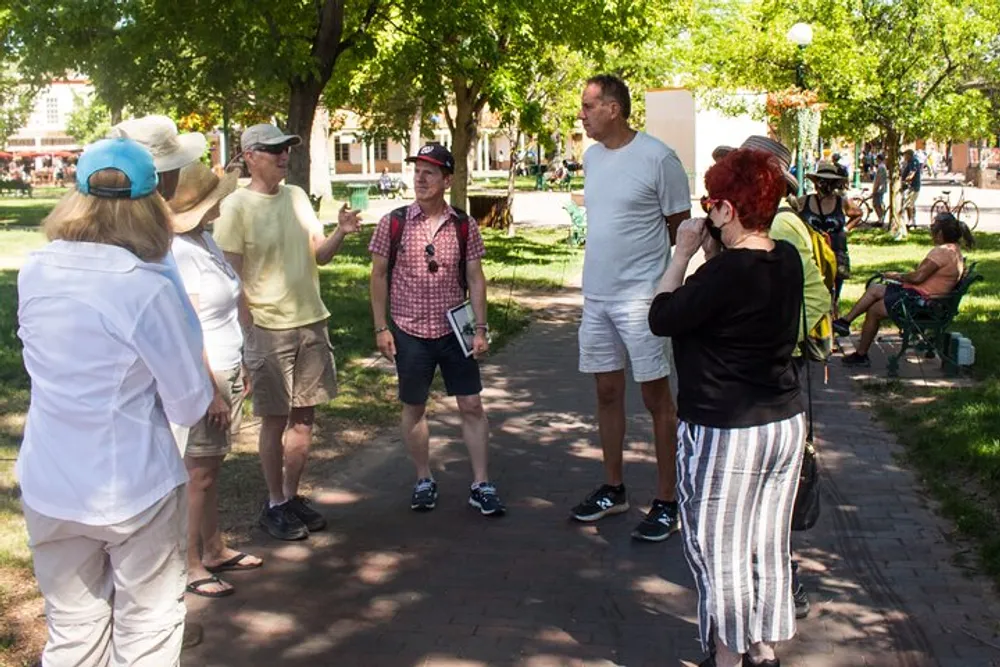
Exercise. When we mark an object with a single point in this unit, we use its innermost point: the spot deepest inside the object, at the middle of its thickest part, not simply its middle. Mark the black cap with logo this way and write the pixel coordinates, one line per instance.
(435, 154)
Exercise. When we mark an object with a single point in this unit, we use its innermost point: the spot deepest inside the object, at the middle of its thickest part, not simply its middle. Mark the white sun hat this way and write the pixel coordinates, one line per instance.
(159, 135)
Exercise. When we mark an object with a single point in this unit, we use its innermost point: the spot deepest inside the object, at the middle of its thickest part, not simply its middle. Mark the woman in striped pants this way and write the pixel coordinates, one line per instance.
(741, 431)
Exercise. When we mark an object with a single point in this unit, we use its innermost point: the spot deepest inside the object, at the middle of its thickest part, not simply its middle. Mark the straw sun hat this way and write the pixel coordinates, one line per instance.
(198, 190)
(761, 143)
(826, 171)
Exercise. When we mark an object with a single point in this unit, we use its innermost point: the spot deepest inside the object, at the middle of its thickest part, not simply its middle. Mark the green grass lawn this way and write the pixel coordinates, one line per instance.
(952, 436)
(532, 260)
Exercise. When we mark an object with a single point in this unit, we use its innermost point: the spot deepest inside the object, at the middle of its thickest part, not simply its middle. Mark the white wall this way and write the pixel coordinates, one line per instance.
(675, 117)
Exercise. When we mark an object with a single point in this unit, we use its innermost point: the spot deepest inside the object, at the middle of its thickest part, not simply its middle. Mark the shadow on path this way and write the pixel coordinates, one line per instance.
(386, 586)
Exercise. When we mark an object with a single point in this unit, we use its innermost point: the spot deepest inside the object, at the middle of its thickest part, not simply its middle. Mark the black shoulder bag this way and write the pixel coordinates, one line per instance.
(806, 509)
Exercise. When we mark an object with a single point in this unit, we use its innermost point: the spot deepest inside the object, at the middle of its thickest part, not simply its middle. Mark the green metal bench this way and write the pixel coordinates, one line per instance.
(925, 320)
(578, 224)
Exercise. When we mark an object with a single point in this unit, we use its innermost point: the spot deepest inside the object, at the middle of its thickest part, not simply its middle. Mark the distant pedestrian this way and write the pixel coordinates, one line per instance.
(270, 235)
(111, 358)
(636, 193)
(911, 176)
(735, 323)
(427, 260)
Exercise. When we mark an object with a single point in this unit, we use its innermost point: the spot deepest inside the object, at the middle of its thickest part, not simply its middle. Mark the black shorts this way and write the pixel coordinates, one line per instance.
(894, 293)
(418, 358)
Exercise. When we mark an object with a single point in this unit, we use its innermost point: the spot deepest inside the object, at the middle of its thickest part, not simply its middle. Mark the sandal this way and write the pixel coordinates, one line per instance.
(195, 588)
(234, 564)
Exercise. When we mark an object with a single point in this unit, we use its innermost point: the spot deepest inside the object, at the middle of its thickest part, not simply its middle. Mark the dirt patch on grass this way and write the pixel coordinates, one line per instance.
(22, 621)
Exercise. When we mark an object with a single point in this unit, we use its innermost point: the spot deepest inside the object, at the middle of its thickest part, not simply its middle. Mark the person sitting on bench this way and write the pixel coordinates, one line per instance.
(937, 275)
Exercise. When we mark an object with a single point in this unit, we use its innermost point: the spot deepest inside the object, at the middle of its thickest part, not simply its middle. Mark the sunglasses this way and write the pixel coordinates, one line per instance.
(272, 150)
(432, 265)
(707, 203)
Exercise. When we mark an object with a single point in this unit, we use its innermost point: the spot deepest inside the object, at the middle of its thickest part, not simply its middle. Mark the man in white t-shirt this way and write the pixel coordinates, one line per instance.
(636, 193)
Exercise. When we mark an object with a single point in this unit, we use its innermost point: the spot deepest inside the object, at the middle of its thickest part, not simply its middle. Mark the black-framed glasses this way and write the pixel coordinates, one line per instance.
(432, 265)
(272, 150)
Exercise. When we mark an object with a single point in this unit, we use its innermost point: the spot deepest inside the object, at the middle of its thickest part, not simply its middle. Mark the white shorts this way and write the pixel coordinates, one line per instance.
(611, 329)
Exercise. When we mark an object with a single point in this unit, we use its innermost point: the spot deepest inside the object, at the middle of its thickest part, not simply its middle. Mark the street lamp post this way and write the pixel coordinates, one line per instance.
(801, 35)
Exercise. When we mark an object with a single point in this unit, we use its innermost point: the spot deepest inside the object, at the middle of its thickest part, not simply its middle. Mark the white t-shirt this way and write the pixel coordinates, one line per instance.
(208, 276)
(628, 192)
(111, 358)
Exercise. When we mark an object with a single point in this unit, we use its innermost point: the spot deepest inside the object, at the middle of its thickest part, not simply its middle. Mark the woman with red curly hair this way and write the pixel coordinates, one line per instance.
(741, 430)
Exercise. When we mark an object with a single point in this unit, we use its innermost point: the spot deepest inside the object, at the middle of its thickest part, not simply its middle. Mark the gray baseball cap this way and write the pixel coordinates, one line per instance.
(266, 134)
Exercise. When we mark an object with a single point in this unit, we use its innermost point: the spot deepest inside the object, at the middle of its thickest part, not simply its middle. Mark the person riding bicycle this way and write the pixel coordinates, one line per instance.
(829, 212)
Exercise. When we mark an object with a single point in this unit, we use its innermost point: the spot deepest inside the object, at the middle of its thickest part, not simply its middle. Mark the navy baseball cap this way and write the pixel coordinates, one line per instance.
(435, 154)
(125, 155)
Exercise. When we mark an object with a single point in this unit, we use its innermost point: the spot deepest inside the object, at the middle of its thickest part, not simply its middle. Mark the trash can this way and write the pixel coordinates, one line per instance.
(358, 196)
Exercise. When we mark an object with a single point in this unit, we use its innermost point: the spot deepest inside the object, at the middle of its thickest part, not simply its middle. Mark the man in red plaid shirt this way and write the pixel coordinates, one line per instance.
(425, 285)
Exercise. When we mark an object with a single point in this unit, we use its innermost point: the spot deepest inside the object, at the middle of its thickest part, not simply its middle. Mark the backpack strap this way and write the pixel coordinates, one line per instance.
(462, 231)
(397, 220)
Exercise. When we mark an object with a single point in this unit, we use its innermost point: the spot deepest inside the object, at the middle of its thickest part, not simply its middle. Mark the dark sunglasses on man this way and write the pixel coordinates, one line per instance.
(277, 149)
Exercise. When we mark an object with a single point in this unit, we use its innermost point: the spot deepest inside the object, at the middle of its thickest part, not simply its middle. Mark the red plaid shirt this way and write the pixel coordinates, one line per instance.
(420, 300)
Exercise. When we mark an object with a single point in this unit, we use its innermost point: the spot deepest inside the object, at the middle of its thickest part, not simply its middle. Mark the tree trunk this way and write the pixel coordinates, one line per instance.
(511, 173)
(463, 138)
(896, 224)
(415, 127)
(301, 109)
(116, 114)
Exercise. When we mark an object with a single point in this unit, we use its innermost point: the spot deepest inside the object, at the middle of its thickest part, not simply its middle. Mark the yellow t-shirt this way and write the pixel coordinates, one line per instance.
(273, 233)
(789, 227)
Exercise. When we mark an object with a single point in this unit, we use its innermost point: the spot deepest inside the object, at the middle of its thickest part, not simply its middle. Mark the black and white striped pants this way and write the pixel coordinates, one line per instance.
(736, 489)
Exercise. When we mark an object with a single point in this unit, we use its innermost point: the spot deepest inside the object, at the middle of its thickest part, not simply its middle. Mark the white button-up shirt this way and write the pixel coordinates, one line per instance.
(112, 357)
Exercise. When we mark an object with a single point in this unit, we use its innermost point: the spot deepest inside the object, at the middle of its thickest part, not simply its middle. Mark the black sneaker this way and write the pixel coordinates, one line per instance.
(425, 495)
(661, 522)
(855, 359)
(602, 502)
(300, 507)
(281, 523)
(484, 498)
(841, 327)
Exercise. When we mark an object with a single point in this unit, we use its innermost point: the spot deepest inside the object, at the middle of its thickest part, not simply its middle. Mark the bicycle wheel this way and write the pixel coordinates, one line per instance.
(968, 213)
(939, 206)
(866, 211)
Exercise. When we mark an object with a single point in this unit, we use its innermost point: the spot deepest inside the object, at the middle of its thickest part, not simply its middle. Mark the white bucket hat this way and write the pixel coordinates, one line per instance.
(159, 134)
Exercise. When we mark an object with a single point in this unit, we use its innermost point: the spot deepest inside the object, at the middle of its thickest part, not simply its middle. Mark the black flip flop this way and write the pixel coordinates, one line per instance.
(233, 564)
(195, 588)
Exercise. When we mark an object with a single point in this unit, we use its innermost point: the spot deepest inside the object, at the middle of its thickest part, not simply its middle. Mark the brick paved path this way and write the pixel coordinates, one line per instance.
(385, 586)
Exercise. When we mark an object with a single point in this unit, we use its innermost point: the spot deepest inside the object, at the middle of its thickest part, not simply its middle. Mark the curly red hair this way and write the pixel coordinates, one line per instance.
(750, 181)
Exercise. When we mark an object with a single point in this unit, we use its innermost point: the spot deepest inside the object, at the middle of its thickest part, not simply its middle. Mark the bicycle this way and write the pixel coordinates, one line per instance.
(864, 202)
(964, 209)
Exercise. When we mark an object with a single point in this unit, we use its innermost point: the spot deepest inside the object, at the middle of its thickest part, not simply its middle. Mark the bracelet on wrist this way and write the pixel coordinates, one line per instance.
(380, 330)
(482, 327)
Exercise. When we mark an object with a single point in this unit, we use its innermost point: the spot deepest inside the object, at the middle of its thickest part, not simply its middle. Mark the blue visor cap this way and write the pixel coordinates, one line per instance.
(124, 155)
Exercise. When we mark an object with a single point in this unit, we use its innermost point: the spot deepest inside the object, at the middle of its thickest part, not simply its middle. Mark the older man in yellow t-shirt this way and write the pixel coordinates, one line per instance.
(272, 237)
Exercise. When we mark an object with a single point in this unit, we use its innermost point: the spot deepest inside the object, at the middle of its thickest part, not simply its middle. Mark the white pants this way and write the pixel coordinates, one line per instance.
(114, 595)
(611, 329)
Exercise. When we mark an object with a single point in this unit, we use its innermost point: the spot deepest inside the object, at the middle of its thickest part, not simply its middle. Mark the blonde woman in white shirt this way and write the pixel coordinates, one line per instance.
(214, 290)
(112, 357)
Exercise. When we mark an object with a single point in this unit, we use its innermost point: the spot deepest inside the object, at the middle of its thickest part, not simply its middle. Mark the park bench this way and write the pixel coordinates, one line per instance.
(16, 186)
(578, 224)
(925, 320)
